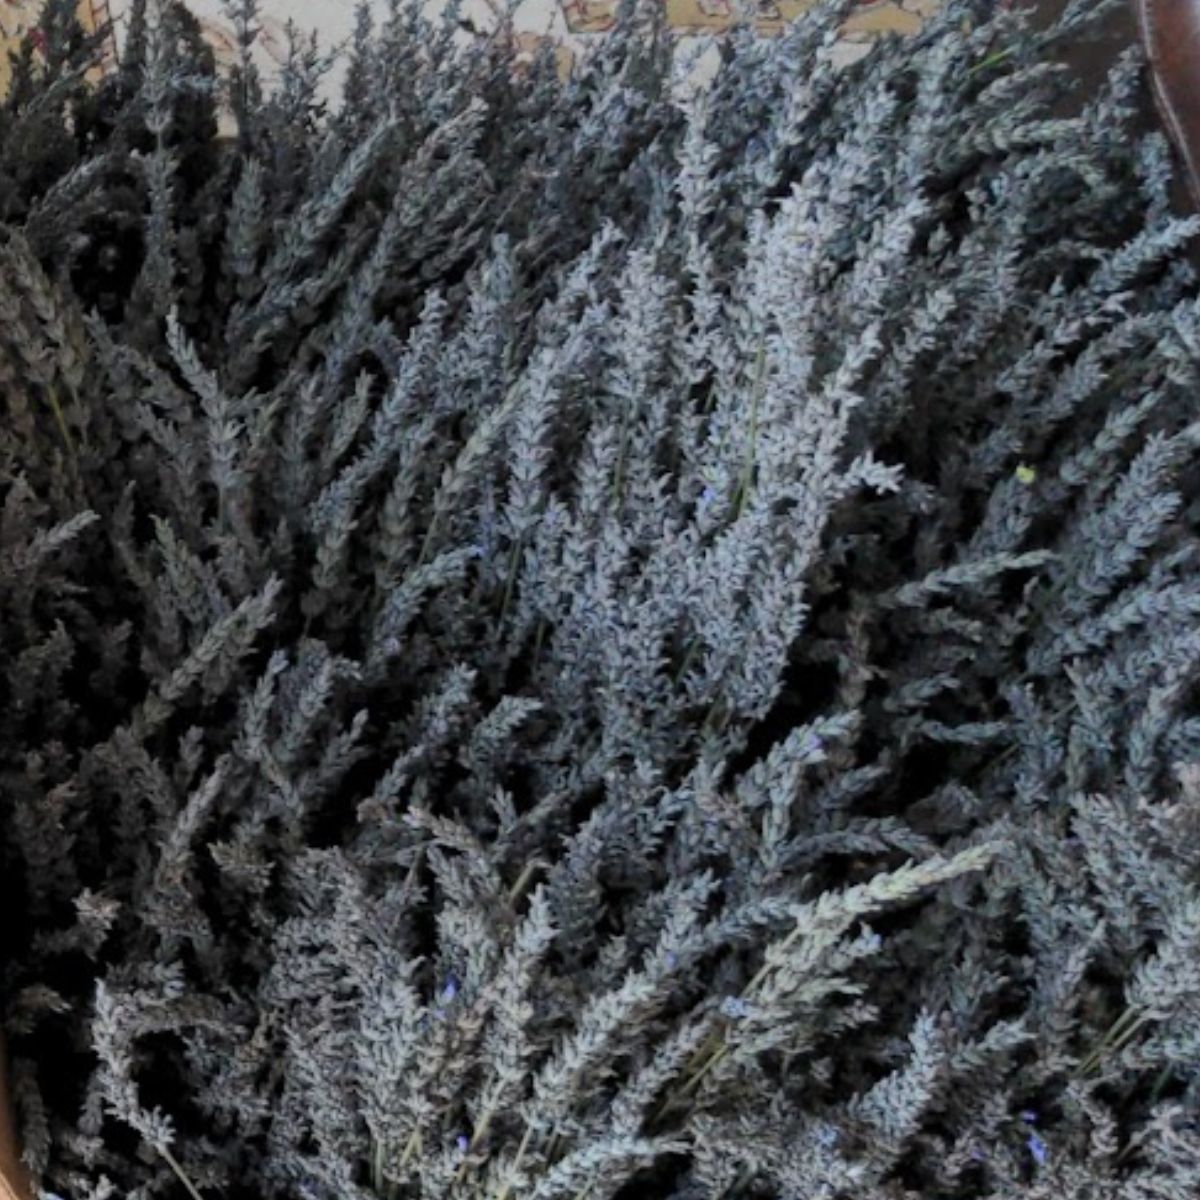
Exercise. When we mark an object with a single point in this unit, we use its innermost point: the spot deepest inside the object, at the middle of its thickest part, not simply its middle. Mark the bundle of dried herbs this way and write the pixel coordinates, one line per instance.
(585, 638)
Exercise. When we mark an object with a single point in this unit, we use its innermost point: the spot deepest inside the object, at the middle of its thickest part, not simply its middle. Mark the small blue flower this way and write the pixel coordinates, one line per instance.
(463, 1143)
(735, 1007)
(706, 498)
(1029, 1116)
(828, 1136)
(1038, 1149)
(671, 959)
(449, 989)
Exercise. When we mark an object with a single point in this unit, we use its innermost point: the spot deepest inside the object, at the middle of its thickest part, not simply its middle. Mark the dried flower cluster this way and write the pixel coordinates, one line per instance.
(579, 639)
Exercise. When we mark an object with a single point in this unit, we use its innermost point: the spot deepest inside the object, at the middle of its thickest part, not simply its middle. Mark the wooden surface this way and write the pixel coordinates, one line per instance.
(13, 1181)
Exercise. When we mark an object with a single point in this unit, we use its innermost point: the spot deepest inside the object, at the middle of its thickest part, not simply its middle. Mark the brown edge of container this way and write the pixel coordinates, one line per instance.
(14, 1179)
(1170, 33)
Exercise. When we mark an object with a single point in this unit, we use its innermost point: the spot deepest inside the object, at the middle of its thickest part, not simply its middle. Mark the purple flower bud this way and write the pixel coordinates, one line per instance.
(1029, 1116)
(449, 989)
(671, 959)
(977, 1155)
(1038, 1149)
(463, 1143)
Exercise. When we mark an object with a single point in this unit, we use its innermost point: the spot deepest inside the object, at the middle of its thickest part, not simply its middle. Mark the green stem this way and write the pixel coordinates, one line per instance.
(686, 662)
(1118, 1035)
(760, 371)
(60, 419)
(410, 1148)
(992, 60)
(427, 540)
(481, 1128)
(539, 638)
(377, 1167)
(1164, 1077)
(502, 1194)
(722, 1047)
(619, 470)
(180, 1173)
(523, 881)
(514, 562)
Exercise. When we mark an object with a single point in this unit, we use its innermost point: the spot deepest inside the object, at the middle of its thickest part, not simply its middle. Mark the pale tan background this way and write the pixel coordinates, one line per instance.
(571, 23)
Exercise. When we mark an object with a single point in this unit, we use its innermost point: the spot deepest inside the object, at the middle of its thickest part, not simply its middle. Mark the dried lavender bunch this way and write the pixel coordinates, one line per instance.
(566, 638)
